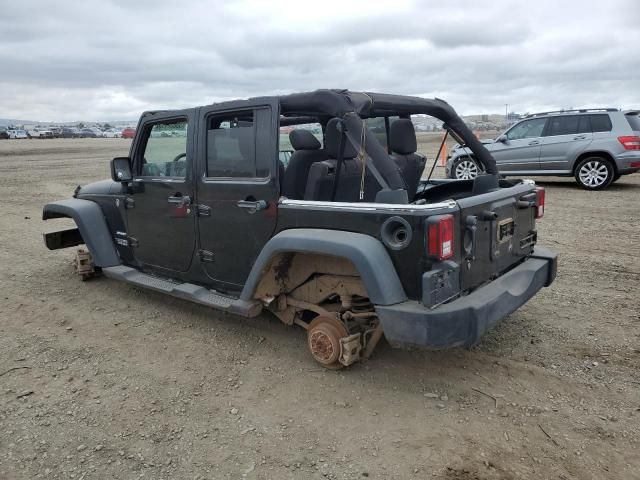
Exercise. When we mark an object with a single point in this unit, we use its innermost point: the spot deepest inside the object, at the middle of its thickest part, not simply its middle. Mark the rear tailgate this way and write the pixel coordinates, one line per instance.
(497, 231)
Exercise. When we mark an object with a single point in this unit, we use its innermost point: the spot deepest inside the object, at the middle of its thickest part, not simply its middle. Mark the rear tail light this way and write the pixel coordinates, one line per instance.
(440, 237)
(630, 142)
(540, 197)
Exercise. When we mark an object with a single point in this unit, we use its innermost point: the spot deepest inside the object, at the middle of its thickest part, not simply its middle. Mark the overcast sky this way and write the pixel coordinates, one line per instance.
(112, 59)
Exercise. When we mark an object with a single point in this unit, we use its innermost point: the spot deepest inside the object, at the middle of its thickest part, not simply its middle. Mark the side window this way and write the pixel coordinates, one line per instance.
(569, 125)
(600, 123)
(527, 129)
(165, 151)
(231, 145)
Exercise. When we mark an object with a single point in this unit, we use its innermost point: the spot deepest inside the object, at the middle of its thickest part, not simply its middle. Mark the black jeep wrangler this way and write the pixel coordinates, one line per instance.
(347, 241)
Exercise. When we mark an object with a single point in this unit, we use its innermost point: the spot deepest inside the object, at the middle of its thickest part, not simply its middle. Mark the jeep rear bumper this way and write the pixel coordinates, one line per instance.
(463, 321)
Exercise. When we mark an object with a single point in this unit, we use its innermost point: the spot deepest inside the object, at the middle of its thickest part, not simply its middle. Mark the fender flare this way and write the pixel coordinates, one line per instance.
(92, 225)
(367, 254)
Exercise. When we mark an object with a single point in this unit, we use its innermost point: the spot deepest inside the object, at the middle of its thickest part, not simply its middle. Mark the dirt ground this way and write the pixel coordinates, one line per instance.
(100, 380)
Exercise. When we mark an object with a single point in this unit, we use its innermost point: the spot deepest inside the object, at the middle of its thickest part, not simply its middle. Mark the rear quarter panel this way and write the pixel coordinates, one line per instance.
(409, 262)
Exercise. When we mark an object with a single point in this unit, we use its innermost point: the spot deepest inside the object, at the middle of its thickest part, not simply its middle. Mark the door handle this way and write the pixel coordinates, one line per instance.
(253, 206)
(580, 137)
(179, 200)
(534, 142)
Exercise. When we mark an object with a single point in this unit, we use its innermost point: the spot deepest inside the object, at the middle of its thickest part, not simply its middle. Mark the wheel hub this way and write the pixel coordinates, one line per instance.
(323, 346)
(323, 339)
(593, 174)
(466, 170)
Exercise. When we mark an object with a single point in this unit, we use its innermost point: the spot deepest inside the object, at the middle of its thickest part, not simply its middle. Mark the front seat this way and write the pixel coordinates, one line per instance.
(307, 152)
(402, 139)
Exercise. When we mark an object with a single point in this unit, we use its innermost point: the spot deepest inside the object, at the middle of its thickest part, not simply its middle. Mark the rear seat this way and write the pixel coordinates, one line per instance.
(402, 138)
(322, 174)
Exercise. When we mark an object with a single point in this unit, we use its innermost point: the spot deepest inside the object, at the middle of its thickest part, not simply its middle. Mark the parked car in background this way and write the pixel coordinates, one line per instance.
(69, 132)
(128, 132)
(87, 133)
(40, 132)
(56, 131)
(112, 133)
(97, 131)
(17, 134)
(596, 146)
(4, 135)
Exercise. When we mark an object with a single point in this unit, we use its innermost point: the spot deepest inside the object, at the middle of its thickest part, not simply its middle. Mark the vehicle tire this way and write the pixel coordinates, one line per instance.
(465, 168)
(594, 173)
(616, 177)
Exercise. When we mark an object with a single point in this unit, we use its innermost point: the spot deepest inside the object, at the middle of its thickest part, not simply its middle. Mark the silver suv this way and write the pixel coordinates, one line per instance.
(596, 146)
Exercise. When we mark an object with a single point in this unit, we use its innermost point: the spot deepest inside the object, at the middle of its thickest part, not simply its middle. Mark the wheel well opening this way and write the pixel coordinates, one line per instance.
(294, 284)
(603, 154)
(471, 158)
(65, 235)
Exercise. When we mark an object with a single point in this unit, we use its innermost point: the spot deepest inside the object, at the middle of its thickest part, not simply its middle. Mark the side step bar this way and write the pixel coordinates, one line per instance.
(186, 291)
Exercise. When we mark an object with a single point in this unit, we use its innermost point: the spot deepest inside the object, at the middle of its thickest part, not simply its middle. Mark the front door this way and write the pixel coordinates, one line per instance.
(160, 220)
(237, 189)
(521, 150)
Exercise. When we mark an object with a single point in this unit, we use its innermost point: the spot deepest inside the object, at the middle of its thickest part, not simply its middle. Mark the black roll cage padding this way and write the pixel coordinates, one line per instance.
(288, 121)
(340, 160)
(339, 103)
(387, 130)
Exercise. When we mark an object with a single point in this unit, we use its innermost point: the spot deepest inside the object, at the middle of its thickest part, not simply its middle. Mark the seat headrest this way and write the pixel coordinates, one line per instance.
(332, 141)
(402, 137)
(302, 139)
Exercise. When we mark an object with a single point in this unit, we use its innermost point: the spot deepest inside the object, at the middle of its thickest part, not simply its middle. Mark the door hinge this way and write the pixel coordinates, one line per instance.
(203, 211)
(133, 242)
(206, 256)
(129, 203)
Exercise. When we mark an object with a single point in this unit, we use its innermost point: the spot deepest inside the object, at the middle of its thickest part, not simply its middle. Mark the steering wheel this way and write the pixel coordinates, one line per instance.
(179, 156)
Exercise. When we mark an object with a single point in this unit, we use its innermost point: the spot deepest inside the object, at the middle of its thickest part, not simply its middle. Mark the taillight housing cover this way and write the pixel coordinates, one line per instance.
(440, 237)
(540, 199)
(630, 142)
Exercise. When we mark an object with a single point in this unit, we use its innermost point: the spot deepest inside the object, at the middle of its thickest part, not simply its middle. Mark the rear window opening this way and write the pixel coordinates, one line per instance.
(634, 121)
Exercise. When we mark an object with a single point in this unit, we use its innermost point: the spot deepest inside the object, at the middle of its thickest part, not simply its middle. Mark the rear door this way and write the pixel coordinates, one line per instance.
(565, 138)
(521, 150)
(237, 187)
(160, 223)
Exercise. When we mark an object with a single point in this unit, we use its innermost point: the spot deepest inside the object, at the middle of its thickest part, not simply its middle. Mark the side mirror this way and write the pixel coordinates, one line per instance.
(121, 169)
(502, 139)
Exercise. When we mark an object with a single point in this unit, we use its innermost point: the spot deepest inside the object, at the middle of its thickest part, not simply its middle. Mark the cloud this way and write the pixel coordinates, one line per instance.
(112, 59)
